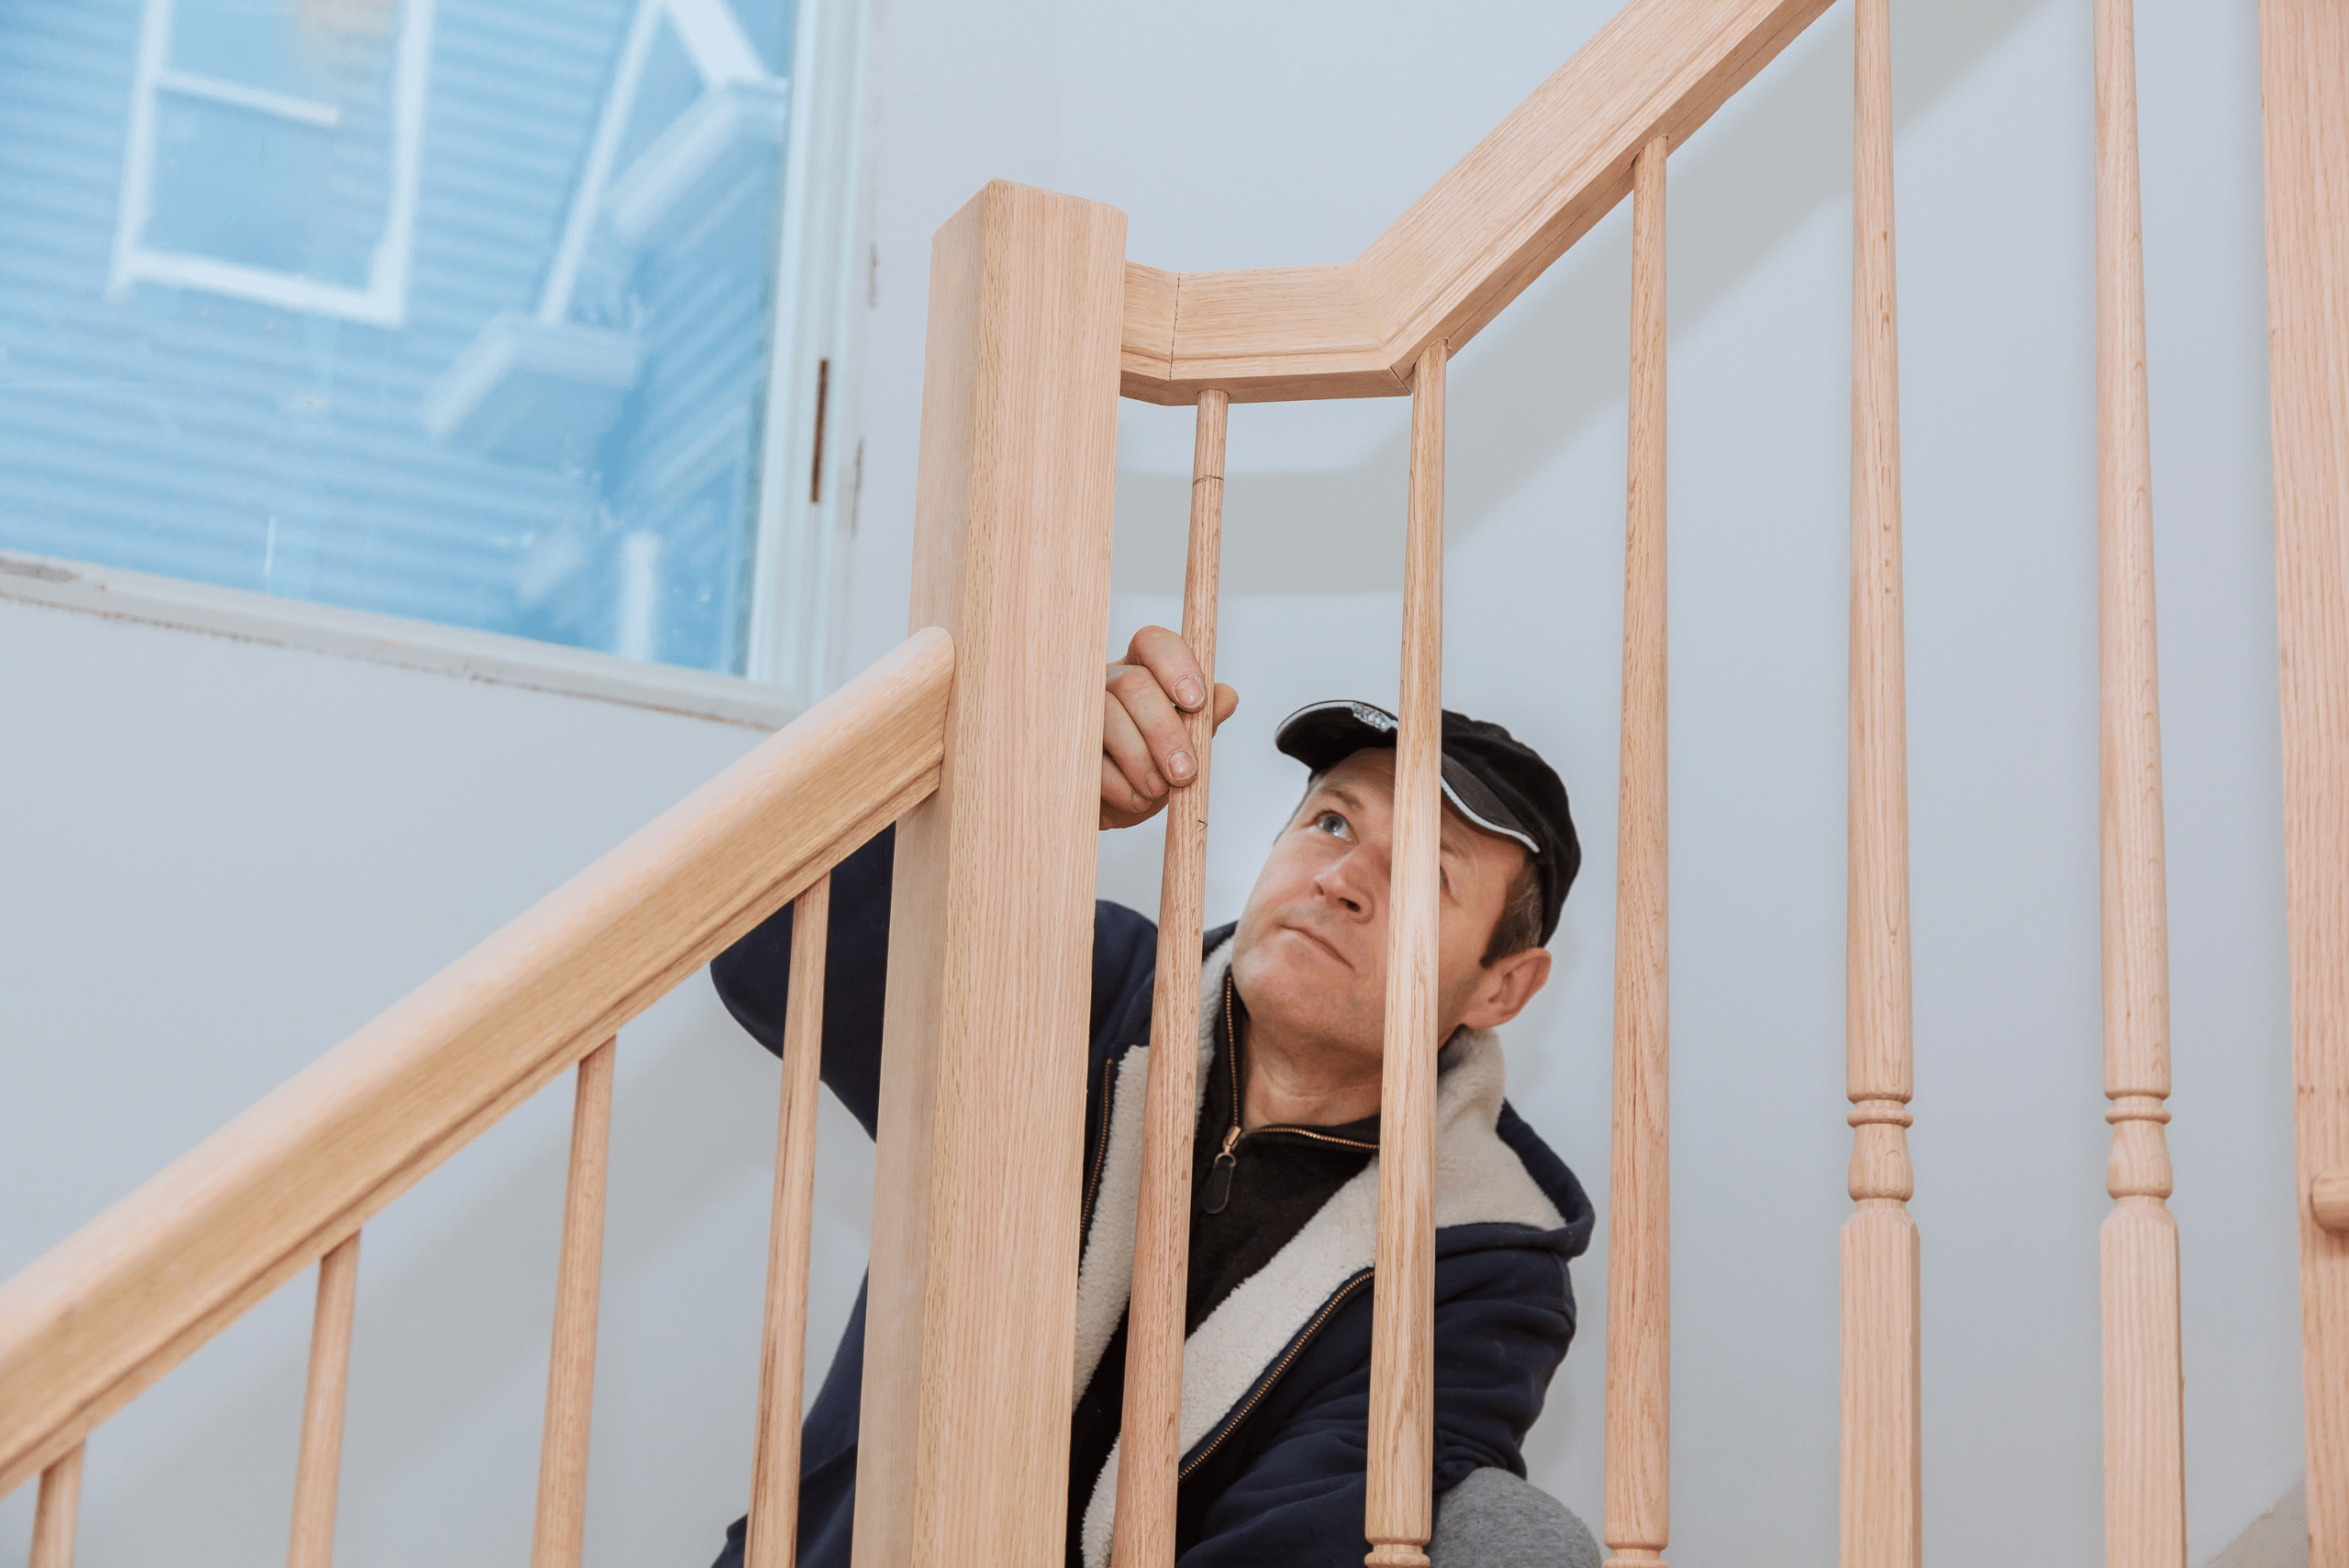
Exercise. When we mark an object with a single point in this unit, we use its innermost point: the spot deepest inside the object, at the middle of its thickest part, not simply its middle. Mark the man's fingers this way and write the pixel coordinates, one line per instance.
(1123, 748)
(1121, 807)
(1137, 690)
(1168, 657)
(1227, 703)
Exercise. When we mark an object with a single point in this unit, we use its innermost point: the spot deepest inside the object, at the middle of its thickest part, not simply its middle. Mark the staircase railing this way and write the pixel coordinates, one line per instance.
(292, 1181)
(981, 732)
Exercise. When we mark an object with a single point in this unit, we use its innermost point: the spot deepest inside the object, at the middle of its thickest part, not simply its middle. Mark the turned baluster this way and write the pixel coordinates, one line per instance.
(1399, 1515)
(1882, 1480)
(57, 1512)
(2144, 1441)
(773, 1530)
(1638, 1221)
(317, 1472)
(561, 1529)
(1149, 1441)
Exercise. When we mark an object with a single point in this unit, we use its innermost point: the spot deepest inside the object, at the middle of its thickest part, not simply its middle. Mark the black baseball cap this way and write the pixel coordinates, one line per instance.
(1494, 780)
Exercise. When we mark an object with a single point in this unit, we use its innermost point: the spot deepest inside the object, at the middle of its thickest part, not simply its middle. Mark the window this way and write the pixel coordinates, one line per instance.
(520, 316)
(273, 156)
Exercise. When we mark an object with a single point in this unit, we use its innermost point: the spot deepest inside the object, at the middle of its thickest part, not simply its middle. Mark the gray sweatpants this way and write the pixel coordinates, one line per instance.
(1493, 1519)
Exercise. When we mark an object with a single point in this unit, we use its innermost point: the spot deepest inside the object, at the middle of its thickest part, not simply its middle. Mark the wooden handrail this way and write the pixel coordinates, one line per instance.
(137, 1290)
(1521, 196)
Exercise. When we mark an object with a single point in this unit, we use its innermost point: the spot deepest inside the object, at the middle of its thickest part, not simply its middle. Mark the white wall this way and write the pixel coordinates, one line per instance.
(224, 856)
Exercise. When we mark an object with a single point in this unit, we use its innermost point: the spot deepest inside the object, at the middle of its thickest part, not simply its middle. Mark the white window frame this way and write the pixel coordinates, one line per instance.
(384, 301)
(816, 341)
(813, 406)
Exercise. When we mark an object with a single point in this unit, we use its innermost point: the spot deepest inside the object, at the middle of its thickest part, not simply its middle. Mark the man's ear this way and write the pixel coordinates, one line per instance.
(1503, 990)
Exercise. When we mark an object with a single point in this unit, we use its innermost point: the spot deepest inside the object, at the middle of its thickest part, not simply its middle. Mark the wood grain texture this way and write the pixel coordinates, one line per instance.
(136, 1291)
(1274, 334)
(318, 1472)
(1882, 1473)
(772, 1541)
(1478, 236)
(57, 1512)
(2144, 1431)
(1639, 1218)
(1399, 1512)
(561, 1534)
(1150, 1432)
(971, 1312)
(2304, 82)
(2329, 1200)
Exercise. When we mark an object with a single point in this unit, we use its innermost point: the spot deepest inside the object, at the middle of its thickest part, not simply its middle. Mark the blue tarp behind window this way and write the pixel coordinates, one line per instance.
(455, 309)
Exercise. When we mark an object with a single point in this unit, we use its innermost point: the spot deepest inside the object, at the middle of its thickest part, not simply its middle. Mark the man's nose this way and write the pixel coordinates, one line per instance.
(1353, 884)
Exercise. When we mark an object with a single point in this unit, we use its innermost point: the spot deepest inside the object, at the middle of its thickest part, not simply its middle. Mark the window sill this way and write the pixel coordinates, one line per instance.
(389, 640)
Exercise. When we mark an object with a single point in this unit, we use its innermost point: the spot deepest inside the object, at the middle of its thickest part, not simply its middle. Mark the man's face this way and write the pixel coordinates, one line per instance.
(1309, 957)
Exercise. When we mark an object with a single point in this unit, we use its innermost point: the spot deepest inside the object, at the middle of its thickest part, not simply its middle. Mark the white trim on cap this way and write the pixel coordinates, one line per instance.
(1379, 719)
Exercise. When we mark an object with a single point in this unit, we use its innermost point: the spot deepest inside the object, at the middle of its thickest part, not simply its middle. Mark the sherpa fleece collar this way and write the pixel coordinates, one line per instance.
(1478, 1181)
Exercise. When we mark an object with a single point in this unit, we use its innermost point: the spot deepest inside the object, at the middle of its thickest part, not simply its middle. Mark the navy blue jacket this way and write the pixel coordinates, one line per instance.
(1279, 1478)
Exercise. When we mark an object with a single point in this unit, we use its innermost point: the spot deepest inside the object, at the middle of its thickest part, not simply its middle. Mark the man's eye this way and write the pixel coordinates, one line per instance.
(1329, 822)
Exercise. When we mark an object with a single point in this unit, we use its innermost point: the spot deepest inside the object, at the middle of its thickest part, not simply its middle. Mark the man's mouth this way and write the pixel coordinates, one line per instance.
(1323, 943)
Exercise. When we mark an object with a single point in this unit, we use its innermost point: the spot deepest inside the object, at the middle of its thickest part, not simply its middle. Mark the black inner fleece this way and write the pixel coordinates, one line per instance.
(1282, 1176)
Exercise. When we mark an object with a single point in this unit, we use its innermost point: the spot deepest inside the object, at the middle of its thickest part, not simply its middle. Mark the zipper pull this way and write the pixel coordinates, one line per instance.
(1219, 1174)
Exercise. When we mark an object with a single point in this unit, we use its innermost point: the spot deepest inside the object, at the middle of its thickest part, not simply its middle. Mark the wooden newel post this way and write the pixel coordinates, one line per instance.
(970, 1307)
(1882, 1474)
(1399, 1515)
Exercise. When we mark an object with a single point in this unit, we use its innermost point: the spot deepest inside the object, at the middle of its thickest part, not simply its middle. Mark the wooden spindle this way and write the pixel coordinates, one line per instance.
(1401, 1512)
(561, 1531)
(1151, 1432)
(1638, 1221)
(1882, 1480)
(56, 1513)
(2144, 1431)
(773, 1531)
(317, 1473)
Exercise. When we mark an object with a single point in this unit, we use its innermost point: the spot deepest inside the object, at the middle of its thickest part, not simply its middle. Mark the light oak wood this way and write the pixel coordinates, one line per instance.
(1474, 241)
(317, 1473)
(1882, 1476)
(1399, 1513)
(136, 1291)
(57, 1512)
(2304, 83)
(562, 1532)
(2329, 1200)
(1150, 1432)
(1639, 1219)
(1273, 334)
(2144, 1433)
(971, 1310)
(773, 1537)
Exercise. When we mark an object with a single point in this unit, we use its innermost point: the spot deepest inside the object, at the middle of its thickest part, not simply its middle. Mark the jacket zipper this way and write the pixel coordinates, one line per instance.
(1220, 1193)
(1100, 1157)
(1345, 1294)
(1227, 1160)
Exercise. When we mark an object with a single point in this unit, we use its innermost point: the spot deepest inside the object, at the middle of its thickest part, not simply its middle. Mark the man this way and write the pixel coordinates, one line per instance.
(1276, 1367)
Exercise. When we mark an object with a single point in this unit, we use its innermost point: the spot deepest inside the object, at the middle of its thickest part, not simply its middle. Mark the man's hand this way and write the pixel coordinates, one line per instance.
(1145, 751)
